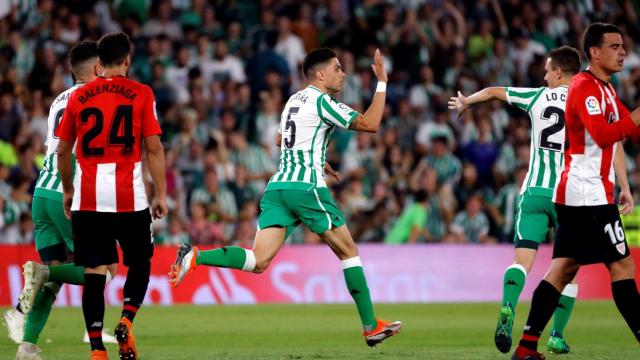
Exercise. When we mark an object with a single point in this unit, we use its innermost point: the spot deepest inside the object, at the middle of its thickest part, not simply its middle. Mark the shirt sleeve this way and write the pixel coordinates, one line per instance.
(335, 112)
(587, 105)
(150, 124)
(522, 97)
(66, 130)
(625, 113)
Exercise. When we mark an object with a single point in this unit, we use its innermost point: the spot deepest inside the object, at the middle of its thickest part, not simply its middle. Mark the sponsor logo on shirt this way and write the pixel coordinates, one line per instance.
(593, 106)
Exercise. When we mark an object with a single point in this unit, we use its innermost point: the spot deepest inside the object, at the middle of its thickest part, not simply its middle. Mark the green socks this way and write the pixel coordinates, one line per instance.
(565, 307)
(229, 257)
(37, 318)
(357, 286)
(66, 273)
(514, 278)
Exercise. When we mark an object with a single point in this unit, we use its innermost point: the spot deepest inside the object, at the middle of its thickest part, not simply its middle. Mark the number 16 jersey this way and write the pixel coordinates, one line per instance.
(546, 108)
(306, 125)
(109, 117)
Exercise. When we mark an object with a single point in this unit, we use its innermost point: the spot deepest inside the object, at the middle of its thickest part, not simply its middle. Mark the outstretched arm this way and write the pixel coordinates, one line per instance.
(462, 103)
(370, 120)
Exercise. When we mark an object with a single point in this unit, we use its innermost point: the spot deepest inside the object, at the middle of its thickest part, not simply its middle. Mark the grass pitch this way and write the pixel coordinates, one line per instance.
(431, 331)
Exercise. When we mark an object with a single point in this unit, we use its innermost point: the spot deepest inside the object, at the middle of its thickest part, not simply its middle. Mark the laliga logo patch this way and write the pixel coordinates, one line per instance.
(593, 107)
(622, 249)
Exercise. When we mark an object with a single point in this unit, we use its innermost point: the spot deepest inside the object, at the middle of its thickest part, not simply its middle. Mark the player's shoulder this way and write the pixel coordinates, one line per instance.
(582, 79)
(136, 85)
(65, 95)
(307, 96)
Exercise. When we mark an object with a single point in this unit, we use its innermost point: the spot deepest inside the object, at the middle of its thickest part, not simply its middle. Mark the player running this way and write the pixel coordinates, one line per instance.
(52, 229)
(297, 192)
(113, 119)
(536, 212)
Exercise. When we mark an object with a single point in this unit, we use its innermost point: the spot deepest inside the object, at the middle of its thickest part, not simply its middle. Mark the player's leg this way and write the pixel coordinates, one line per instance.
(531, 227)
(275, 223)
(319, 212)
(135, 238)
(621, 267)
(544, 301)
(625, 292)
(568, 252)
(95, 249)
(557, 343)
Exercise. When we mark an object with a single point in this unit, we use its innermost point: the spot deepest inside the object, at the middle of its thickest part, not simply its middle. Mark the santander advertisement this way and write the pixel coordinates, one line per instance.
(312, 274)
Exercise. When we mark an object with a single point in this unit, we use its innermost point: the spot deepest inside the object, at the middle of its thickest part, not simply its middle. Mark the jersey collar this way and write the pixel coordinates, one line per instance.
(314, 88)
(595, 77)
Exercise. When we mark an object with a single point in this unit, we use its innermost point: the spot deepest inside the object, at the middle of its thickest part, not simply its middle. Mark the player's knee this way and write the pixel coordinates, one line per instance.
(623, 269)
(261, 266)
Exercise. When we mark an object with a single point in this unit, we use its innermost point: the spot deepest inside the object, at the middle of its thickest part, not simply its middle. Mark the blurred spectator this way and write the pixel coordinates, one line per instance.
(448, 168)
(409, 227)
(224, 66)
(162, 23)
(471, 225)
(220, 205)
(174, 235)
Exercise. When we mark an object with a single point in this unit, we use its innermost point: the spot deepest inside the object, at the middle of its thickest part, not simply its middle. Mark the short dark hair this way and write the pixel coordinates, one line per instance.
(316, 57)
(83, 51)
(566, 58)
(113, 48)
(594, 36)
(420, 196)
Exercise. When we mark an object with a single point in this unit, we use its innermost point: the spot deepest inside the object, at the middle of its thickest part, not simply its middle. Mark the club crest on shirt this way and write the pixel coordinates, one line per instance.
(622, 248)
(593, 106)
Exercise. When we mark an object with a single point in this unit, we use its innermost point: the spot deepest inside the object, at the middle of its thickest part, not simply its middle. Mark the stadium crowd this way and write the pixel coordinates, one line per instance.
(222, 70)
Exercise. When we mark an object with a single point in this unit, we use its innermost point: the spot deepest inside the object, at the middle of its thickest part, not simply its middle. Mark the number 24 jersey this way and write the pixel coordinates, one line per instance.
(108, 118)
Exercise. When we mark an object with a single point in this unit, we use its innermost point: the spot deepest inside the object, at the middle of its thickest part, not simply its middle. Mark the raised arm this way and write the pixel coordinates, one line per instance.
(370, 120)
(462, 103)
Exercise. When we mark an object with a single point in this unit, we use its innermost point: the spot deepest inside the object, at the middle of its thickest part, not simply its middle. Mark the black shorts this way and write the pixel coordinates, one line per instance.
(95, 235)
(590, 234)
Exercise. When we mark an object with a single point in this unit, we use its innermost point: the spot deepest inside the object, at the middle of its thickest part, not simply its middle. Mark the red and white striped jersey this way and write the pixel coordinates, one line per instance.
(109, 117)
(595, 121)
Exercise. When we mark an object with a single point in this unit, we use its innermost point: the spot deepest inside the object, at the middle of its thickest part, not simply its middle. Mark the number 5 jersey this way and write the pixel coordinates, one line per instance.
(109, 117)
(306, 125)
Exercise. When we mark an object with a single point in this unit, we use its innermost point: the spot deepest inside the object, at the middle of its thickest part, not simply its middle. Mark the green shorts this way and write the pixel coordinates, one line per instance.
(51, 226)
(288, 208)
(534, 217)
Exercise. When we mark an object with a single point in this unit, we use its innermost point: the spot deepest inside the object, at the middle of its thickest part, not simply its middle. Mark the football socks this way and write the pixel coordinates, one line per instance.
(545, 299)
(357, 286)
(627, 299)
(93, 308)
(37, 317)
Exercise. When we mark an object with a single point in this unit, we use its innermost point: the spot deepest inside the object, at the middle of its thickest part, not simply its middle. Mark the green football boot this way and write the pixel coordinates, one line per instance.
(557, 344)
(504, 329)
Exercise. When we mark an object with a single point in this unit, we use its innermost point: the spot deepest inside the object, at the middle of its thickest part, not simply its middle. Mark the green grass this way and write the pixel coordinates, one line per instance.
(432, 331)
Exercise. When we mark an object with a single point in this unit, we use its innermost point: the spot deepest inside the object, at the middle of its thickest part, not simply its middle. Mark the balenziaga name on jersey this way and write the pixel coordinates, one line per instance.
(103, 88)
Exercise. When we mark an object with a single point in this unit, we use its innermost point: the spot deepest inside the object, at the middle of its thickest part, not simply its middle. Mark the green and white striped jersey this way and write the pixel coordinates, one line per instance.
(545, 107)
(306, 124)
(49, 184)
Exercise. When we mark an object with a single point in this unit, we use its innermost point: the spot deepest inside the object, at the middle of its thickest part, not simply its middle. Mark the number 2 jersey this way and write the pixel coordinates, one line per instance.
(545, 107)
(596, 121)
(49, 184)
(107, 119)
(306, 125)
